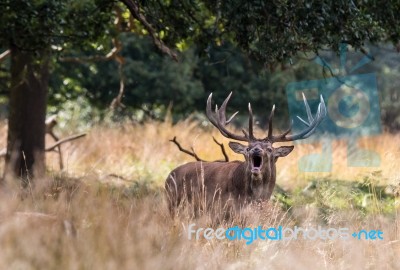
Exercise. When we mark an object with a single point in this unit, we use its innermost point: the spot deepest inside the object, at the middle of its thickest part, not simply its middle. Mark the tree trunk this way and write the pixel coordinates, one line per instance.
(27, 112)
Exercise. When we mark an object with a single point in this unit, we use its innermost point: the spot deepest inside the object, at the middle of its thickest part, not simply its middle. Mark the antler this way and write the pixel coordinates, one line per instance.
(312, 124)
(218, 119)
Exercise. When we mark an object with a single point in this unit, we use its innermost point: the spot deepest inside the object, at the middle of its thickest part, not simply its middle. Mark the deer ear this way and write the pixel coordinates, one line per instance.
(283, 151)
(237, 147)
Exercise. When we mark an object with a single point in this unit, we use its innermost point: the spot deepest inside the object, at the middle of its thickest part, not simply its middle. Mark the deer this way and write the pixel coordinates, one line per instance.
(235, 184)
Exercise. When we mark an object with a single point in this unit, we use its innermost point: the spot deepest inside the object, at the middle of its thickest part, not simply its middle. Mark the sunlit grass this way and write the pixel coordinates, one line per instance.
(135, 151)
(107, 209)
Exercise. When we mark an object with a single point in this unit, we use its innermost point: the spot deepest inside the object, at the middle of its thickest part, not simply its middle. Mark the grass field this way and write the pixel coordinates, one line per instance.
(107, 209)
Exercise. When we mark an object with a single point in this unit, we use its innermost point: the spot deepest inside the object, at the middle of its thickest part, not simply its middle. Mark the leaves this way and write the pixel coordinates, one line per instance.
(32, 25)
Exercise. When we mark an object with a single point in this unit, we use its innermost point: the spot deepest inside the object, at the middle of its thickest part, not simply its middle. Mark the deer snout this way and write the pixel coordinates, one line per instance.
(257, 151)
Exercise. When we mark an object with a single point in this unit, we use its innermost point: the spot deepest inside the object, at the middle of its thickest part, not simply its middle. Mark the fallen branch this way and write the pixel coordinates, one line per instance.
(119, 177)
(51, 122)
(46, 219)
(222, 149)
(190, 153)
(3, 152)
(68, 139)
(193, 153)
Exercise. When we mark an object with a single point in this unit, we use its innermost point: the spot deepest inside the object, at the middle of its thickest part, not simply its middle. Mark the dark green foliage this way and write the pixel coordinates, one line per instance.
(274, 31)
(153, 81)
(226, 46)
(32, 25)
(57, 25)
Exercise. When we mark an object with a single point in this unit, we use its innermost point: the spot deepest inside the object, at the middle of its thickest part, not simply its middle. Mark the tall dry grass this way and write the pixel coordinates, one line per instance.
(136, 150)
(107, 210)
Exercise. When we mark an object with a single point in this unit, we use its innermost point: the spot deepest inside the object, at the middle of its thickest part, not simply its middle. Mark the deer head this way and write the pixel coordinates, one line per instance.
(260, 154)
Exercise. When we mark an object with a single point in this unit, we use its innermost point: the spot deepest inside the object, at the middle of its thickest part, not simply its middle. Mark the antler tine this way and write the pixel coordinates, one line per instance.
(246, 134)
(231, 118)
(219, 119)
(250, 135)
(209, 113)
(222, 110)
(311, 126)
(319, 113)
(304, 121)
(271, 116)
(309, 115)
(288, 130)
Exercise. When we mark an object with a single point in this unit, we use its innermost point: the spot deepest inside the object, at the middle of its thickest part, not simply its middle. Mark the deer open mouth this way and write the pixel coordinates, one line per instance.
(257, 163)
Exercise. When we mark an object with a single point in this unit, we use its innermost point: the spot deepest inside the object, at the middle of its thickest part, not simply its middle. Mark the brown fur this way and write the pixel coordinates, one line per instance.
(225, 184)
(233, 184)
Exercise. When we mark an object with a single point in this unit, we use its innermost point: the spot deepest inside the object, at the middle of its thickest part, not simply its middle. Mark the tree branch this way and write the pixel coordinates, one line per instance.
(117, 101)
(96, 58)
(114, 54)
(135, 12)
(4, 55)
(70, 138)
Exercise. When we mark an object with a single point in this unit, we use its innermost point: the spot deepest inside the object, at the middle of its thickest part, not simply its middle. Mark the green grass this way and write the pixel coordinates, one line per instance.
(330, 196)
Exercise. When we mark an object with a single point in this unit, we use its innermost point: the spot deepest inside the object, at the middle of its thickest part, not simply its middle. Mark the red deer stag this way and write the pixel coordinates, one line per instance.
(236, 182)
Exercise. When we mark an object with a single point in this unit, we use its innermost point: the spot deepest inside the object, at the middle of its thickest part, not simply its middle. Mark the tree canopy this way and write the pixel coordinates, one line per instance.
(97, 50)
(32, 25)
(274, 31)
